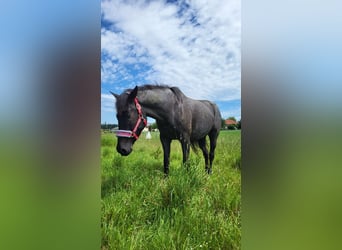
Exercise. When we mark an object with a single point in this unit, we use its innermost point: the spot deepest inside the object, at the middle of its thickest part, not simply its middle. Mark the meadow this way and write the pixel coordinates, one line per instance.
(141, 209)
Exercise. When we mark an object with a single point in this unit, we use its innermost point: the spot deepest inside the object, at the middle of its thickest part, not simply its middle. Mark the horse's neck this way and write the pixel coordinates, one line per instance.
(155, 103)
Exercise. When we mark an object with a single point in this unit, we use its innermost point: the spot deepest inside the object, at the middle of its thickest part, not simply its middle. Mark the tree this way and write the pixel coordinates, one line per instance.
(238, 125)
(154, 125)
(232, 127)
(223, 123)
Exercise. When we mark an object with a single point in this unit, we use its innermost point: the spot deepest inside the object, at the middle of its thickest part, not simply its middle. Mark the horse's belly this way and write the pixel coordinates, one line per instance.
(200, 129)
(169, 132)
(196, 135)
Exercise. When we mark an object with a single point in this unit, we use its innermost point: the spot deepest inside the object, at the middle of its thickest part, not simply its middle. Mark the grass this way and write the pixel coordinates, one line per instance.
(188, 210)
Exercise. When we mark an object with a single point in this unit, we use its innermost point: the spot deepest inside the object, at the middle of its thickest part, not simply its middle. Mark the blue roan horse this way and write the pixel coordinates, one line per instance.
(178, 117)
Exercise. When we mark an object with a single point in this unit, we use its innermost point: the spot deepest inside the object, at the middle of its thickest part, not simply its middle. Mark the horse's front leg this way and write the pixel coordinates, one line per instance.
(185, 150)
(166, 148)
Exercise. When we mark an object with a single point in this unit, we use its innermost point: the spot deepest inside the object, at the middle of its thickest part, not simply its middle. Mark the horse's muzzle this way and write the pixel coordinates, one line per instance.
(124, 151)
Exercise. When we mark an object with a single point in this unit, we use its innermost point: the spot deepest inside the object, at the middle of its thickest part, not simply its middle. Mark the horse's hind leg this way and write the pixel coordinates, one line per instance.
(213, 139)
(203, 147)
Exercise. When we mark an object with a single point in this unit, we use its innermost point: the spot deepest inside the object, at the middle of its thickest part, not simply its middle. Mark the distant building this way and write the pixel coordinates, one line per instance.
(231, 124)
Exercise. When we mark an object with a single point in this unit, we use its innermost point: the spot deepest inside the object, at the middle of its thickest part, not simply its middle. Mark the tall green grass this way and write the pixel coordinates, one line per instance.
(188, 210)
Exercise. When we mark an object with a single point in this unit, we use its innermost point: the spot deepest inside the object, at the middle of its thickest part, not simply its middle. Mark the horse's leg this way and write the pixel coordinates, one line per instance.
(203, 147)
(213, 139)
(166, 148)
(185, 150)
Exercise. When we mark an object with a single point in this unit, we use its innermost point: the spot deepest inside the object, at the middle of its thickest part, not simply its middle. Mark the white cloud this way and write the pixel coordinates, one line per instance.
(203, 60)
(108, 103)
(231, 113)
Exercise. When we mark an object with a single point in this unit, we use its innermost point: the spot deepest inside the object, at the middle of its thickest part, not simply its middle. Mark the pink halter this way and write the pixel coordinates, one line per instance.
(133, 133)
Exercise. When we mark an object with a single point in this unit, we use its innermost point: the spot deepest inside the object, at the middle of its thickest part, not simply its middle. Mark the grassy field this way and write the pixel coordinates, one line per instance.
(188, 210)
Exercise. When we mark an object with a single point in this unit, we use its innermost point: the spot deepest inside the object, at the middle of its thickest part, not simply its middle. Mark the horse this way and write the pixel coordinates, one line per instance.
(178, 117)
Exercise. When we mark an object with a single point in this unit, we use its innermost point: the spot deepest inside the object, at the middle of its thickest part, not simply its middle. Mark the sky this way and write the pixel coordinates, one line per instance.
(194, 45)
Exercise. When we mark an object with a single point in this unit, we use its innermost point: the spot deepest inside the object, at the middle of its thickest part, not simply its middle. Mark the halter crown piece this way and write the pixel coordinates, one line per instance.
(133, 133)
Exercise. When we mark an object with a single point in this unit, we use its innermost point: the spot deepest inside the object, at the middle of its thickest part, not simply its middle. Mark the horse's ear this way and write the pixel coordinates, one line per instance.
(115, 95)
(133, 94)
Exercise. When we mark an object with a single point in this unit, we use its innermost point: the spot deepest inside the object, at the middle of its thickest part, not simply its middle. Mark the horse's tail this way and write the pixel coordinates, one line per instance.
(217, 125)
(194, 146)
(217, 116)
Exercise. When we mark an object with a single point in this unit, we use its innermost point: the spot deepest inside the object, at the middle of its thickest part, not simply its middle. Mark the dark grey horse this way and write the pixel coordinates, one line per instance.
(178, 117)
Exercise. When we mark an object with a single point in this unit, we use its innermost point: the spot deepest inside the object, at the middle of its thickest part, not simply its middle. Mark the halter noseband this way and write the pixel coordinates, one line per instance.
(133, 133)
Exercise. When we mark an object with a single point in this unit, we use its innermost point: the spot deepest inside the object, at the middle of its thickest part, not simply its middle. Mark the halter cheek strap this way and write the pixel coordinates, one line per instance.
(133, 133)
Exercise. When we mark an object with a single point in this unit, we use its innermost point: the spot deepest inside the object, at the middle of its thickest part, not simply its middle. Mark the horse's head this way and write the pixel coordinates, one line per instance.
(131, 120)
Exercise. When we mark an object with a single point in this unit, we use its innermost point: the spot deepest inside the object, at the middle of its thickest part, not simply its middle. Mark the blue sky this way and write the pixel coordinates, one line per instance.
(194, 45)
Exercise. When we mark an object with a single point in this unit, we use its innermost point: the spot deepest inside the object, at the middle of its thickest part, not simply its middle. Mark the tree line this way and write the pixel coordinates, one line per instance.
(108, 126)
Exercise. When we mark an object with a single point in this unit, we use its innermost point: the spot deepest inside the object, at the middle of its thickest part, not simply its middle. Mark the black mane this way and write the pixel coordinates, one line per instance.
(177, 92)
(121, 105)
(153, 86)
